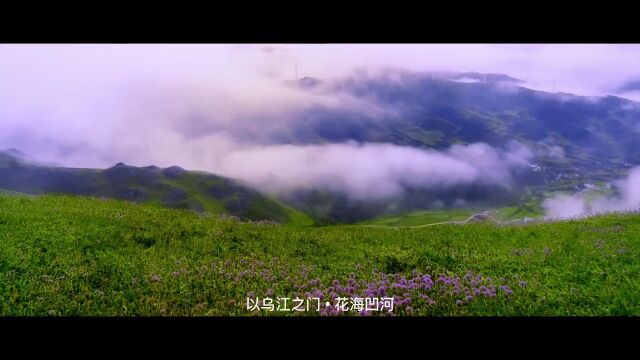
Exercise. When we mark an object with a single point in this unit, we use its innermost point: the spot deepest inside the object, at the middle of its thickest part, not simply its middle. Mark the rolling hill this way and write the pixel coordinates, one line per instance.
(172, 187)
(576, 140)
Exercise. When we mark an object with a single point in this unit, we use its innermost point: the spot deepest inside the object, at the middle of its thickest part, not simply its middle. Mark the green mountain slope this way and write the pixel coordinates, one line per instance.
(172, 187)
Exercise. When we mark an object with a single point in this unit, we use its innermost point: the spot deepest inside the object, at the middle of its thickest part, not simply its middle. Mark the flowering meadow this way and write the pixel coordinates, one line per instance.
(68, 256)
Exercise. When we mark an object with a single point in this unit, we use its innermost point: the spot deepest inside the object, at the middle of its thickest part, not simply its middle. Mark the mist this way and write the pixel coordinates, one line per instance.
(224, 109)
(626, 198)
(370, 171)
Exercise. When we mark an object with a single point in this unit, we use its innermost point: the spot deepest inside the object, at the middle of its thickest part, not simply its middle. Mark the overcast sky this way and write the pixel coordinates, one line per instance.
(583, 68)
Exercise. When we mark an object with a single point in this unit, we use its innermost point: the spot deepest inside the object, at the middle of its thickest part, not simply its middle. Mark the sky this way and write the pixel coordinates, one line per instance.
(95, 105)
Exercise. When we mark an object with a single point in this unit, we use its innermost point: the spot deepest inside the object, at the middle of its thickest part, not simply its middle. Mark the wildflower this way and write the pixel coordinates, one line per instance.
(459, 302)
(251, 295)
(522, 283)
(409, 310)
(155, 278)
(469, 297)
(407, 301)
(269, 292)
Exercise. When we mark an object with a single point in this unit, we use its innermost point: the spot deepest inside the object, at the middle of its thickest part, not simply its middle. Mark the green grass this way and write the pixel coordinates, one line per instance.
(418, 218)
(193, 183)
(63, 255)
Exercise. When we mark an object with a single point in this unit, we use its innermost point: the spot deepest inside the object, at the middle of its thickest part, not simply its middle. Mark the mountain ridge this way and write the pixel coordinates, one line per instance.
(172, 187)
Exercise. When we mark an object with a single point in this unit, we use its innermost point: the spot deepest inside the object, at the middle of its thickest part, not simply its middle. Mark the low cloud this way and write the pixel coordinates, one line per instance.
(223, 109)
(627, 198)
(369, 171)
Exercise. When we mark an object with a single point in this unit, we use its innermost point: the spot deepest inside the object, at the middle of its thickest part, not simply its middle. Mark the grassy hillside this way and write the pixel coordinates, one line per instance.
(172, 187)
(418, 218)
(64, 255)
(525, 209)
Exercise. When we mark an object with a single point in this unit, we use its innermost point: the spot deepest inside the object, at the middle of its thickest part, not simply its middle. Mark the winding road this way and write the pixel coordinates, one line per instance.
(480, 216)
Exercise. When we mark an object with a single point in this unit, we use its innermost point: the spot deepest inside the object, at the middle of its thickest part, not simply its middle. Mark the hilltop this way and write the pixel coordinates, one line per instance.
(172, 187)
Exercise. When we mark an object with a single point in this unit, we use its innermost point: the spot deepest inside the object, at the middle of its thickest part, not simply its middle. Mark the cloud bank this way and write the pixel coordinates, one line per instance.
(627, 198)
(223, 109)
(370, 171)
